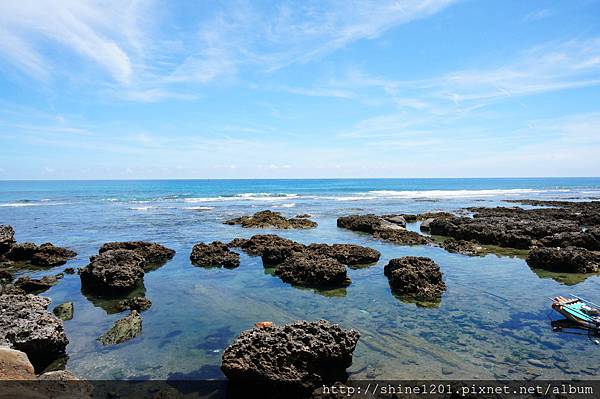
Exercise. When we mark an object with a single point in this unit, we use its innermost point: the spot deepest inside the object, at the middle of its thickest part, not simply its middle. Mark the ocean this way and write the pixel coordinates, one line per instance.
(492, 321)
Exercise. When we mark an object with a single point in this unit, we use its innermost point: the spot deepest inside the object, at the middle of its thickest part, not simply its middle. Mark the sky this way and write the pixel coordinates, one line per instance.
(121, 89)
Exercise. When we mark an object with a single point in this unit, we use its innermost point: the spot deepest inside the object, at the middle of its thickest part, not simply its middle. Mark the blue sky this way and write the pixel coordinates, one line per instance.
(234, 89)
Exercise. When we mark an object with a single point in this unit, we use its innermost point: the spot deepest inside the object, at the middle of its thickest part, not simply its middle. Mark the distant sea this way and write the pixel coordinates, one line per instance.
(197, 312)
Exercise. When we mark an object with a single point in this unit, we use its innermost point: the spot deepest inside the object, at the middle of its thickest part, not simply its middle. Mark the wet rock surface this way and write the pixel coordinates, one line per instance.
(26, 325)
(215, 254)
(312, 270)
(402, 237)
(348, 254)
(113, 271)
(470, 248)
(292, 359)
(123, 330)
(40, 255)
(589, 239)
(416, 278)
(257, 244)
(152, 252)
(7, 238)
(569, 259)
(64, 311)
(270, 219)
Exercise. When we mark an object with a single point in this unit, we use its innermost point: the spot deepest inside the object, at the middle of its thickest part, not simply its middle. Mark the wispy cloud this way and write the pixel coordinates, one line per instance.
(147, 60)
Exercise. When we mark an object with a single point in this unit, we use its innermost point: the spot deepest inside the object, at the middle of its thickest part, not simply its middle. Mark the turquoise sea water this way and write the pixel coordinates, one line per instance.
(491, 322)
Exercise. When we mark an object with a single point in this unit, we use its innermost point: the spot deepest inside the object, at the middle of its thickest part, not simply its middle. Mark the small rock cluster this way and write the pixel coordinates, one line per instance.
(273, 220)
(45, 255)
(391, 228)
(414, 277)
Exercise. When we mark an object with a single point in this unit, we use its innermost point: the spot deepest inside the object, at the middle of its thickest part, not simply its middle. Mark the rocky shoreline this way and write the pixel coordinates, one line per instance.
(559, 236)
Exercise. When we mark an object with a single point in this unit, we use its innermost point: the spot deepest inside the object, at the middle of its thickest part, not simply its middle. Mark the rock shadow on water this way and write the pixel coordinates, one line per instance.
(564, 278)
(422, 303)
(111, 302)
(206, 381)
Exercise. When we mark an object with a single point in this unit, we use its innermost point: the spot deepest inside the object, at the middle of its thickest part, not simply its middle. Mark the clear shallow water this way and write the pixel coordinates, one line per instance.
(196, 312)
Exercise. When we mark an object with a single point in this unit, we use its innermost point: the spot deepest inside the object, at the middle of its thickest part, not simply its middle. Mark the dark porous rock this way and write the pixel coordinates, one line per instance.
(26, 325)
(35, 286)
(303, 216)
(368, 223)
(402, 237)
(258, 243)
(569, 259)
(7, 238)
(348, 254)
(138, 303)
(290, 360)
(270, 219)
(64, 311)
(214, 254)
(589, 239)
(123, 330)
(69, 270)
(415, 277)
(273, 256)
(152, 252)
(312, 270)
(5, 277)
(40, 255)
(116, 270)
(10, 289)
(425, 224)
(471, 248)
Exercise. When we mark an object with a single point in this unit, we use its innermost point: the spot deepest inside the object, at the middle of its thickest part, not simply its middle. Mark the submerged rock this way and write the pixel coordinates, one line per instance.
(152, 252)
(270, 219)
(470, 248)
(64, 311)
(214, 254)
(26, 325)
(35, 286)
(123, 330)
(138, 303)
(415, 277)
(7, 238)
(15, 365)
(292, 359)
(312, 270)
(40, 255)
(569, 259)
(348, 254)
(115, 270)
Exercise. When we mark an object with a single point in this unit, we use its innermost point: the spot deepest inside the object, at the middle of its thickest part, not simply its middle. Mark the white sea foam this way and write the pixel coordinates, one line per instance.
(453, 193)
(200, 208)
(143, 208)
(245, 197)
(24, 204)
(288, 205)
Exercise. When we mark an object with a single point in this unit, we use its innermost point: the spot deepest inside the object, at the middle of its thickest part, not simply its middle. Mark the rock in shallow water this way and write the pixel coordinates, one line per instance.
(312, 270)
(152, 252)
(123, 330)
(40, 255)
(214, 254)
(348, 254)
(402, 237)
(64, 311)
(415, 277)
(115, 270)
(270, 219)
(35, 286)
(26, 325)
(291, 359)
(471, 248)
(569, 259)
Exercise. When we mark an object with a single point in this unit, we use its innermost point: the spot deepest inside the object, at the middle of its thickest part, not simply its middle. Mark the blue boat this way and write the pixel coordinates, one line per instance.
(584, 313)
